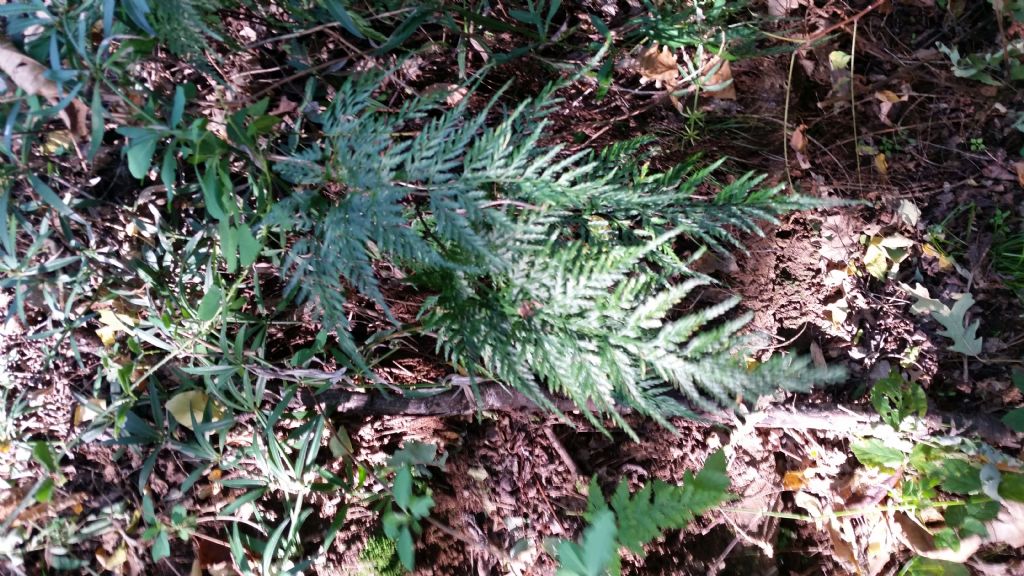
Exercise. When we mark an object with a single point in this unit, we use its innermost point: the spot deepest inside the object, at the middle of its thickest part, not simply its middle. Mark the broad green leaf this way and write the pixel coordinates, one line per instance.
(874, 452)
(1012, 487)
(946, 538)
(406, 549)
(45, 492)
(1014, 420)
(210, 183)
(44, 455)
(140, 153)
(209, 306)
(403, 487)
(959, 476)
(921, 566)
(248, 246)
(161, 546)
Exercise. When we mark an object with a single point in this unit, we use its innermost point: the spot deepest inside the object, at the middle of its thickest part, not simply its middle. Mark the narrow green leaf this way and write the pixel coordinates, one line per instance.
(339, 13)
(49, 196)
(178, 108)
(97, 124)
(209, 306)
(229, 245)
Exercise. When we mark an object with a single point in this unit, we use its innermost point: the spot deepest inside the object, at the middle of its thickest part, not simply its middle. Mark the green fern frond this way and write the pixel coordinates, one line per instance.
(553, 271)
(634, 520)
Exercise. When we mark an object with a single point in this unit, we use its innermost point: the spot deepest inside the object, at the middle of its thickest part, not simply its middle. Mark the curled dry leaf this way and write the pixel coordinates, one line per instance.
(720, 83)
(798, 142)
(660, 66)
(30, 76)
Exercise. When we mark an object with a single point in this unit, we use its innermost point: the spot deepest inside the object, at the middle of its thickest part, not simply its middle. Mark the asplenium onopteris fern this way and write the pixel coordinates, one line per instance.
(633, 520)
(549, 269)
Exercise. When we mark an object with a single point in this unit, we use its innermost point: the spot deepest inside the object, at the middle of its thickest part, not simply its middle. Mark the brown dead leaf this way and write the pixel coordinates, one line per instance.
(780, 8)
(1018, 167)
(211, 554)
(886, 100)
(29, 75)
(1007, 528)
(453, 93)
(660, 66)
(793, 480)
(798, 142)
(723, 78)
(840, 531)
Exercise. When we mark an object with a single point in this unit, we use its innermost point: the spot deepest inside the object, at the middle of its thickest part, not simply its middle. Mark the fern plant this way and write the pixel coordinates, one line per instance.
(633, 520)
(549, 270)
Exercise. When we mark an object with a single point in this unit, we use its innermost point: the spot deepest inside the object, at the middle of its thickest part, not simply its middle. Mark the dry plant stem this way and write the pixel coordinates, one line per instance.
(853, 101)
(494, 397)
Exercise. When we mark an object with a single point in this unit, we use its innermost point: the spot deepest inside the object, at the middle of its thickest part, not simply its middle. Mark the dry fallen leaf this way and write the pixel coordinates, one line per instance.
(29, 75)
(798, 142)
(659, 66)
(183, 406)
(779, 8)
(793, 480)
(113, 561)
(722, 80)
(881, 164)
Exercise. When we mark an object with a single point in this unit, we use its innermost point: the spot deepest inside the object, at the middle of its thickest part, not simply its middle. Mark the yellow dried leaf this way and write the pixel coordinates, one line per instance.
(794, 480)
(881, 164)
(945, 262)
(184, 405)
(88, 411)
(887, 96)
(114, 560)
(659, 65)
(107, 335)
(58, 141)
(31, 77)
(121, 322)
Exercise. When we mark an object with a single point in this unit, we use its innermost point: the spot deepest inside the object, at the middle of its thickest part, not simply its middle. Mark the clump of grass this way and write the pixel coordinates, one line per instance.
(1008, 260)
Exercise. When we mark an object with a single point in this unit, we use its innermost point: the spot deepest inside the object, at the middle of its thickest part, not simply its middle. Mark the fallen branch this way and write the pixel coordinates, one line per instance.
(497, 398)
